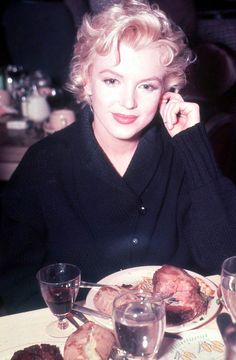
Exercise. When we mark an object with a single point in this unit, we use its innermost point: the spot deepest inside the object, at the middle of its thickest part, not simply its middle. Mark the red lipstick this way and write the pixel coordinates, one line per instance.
(124, 119)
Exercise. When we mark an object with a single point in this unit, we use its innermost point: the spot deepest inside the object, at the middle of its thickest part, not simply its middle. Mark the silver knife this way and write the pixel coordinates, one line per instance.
(88, 311)
(79, 316)
(72, 320)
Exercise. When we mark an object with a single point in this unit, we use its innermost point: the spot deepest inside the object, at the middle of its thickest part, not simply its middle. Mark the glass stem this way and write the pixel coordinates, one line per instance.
(63, 323)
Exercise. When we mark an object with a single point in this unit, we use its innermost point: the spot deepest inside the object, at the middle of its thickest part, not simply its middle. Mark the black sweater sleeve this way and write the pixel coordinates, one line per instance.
(210, 224)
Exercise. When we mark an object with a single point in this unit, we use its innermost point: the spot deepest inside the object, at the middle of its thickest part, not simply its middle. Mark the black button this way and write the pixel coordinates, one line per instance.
(142, 210)
(135, 241)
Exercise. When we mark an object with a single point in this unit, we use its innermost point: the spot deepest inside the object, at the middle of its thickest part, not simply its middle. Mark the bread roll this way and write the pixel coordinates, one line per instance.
(89, 342)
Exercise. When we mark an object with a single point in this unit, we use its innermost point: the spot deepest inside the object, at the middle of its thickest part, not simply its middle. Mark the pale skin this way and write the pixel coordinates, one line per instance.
(177, 114)
(125, 97)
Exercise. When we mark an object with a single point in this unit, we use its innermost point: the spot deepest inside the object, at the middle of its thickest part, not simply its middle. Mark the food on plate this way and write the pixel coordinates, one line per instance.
(39, 352)
(103, 299)
(90, 341)
(184, 299)
(205, 289)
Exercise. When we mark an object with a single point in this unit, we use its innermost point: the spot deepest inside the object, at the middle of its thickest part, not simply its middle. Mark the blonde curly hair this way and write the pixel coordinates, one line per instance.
(137, 24)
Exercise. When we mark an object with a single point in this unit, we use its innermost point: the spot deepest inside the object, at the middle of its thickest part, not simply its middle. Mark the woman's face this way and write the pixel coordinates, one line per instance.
(125, 95)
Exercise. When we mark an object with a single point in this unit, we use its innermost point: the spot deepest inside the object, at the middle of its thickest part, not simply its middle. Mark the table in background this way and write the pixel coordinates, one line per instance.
(13, 145)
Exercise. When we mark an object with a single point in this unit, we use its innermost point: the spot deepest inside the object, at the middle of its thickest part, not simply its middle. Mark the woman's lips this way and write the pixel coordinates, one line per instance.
(124, 119)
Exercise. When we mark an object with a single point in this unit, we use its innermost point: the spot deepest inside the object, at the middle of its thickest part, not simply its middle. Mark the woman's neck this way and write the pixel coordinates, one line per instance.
(118, 151)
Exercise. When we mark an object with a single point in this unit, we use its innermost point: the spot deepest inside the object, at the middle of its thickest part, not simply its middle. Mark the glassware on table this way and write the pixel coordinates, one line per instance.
(38, 109)
(15, 83)
(228, 285)
(139, 323)
(228, 332)
(58, 120)
(13, 75)
(59, 284)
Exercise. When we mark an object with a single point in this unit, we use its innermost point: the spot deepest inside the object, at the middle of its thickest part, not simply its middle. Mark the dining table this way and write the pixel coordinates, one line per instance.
(18, 133)
(21, 330)
(14, 143)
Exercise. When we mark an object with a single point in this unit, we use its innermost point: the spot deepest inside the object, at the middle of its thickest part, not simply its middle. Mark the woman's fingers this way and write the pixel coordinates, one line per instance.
(171, 112)
(177, 114)
(170, 108)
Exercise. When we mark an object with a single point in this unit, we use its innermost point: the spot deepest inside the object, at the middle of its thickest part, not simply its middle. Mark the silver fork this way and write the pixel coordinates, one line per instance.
(72, 320)
(88, 311)
(79, 315)
(87, 284)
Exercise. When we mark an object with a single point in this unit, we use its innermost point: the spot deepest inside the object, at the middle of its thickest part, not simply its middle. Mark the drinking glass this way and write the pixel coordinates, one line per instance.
(59, 284)
(228, 285)
(139, 322)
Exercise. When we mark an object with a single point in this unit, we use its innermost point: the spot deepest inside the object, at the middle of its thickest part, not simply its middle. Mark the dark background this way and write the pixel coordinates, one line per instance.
(204, 9)
(44, 39)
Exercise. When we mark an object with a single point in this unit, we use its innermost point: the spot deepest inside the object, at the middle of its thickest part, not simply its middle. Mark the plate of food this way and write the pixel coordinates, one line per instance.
(191, 299)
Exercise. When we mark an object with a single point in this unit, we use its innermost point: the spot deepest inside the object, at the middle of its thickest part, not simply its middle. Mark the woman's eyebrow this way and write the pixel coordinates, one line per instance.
(153, 78)
(110, 72)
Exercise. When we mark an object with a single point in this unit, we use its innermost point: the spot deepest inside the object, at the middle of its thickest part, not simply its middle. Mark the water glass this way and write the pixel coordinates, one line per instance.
(139, 322)
(228, 285)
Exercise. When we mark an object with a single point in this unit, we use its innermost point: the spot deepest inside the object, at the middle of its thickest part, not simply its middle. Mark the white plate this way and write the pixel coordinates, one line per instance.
(202, 344)
(134, 275)
(7, 353)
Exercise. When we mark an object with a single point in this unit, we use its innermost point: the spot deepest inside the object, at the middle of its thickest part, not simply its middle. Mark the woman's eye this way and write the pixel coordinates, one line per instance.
(148, 87)
(110, 81)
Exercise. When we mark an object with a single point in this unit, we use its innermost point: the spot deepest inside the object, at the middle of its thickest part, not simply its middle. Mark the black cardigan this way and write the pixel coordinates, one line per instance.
(66, 203)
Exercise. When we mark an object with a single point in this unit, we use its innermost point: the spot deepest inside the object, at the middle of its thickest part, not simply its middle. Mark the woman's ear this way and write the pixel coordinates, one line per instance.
(88, 89)
(89, 93)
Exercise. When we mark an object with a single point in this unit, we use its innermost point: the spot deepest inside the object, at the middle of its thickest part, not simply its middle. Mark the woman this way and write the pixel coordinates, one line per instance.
(133, 181)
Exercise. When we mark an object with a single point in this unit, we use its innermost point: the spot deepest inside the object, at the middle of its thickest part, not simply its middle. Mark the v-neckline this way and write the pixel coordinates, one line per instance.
(141, 168)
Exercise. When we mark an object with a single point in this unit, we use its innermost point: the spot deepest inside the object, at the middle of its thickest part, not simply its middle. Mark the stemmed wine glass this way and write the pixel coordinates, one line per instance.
(139, 323)
(228, 285)
(59, 284)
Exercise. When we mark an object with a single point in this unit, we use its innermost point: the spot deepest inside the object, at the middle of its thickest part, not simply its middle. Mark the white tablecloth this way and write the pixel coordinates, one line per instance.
(20, 330)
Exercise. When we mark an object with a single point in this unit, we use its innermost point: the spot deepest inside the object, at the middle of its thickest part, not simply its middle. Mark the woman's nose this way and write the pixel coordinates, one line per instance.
(128, 99)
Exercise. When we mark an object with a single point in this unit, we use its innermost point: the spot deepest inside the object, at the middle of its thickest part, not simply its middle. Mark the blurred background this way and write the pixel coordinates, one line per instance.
(36, 45)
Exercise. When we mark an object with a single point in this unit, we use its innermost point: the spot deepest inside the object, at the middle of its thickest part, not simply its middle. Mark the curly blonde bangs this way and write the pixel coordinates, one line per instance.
(138, 25)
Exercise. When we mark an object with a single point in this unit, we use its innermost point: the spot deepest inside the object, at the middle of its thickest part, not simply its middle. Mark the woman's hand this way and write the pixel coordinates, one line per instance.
(177, 114)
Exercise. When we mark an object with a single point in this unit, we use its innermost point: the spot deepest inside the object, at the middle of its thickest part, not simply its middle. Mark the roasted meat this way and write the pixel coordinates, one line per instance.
(39, 352)
(182, 294)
